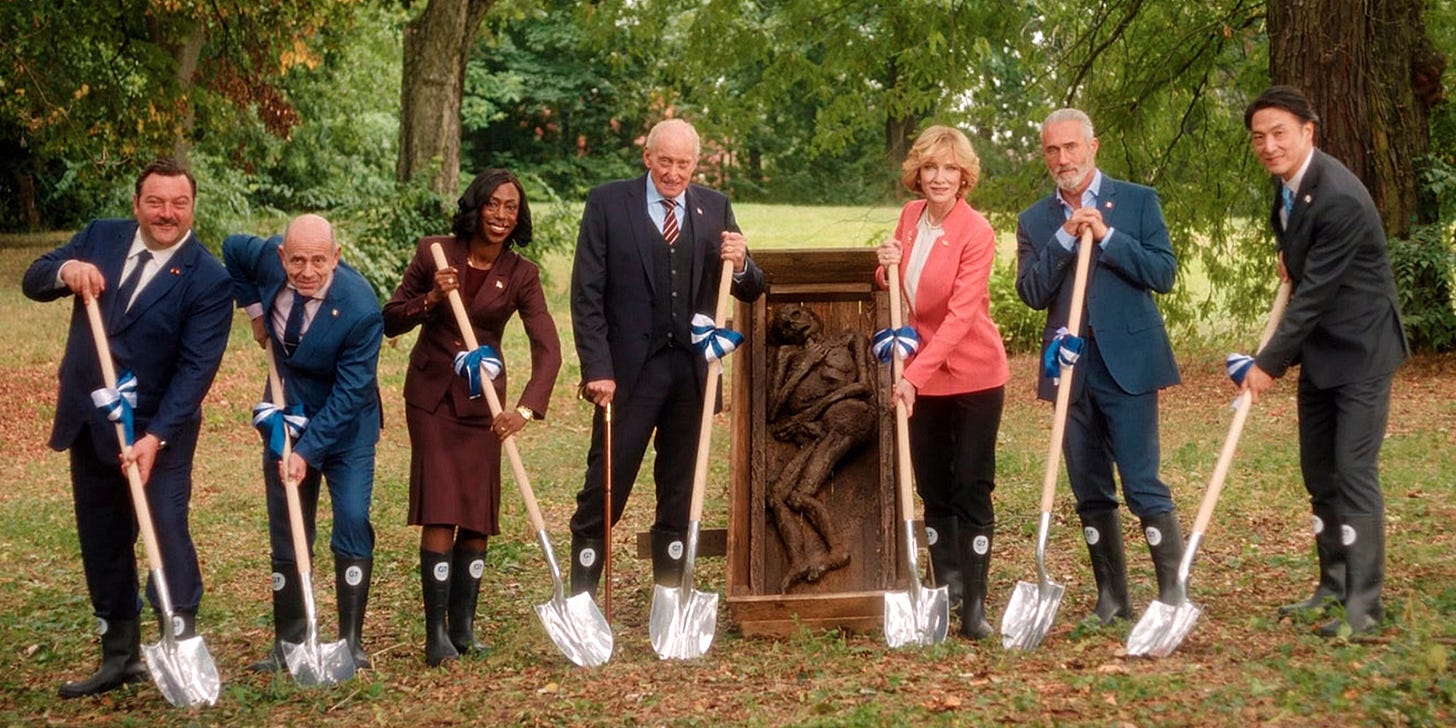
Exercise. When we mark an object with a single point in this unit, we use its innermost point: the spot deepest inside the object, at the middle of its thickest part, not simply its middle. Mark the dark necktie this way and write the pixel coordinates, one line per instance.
(669, 222)
(293, 330)
(1288, 196)
(129, 286)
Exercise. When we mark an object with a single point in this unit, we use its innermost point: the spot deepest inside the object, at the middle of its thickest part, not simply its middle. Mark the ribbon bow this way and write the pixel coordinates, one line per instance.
(889, 342)
(715, 343)
(1238, 366)
(119, 404)
(468, 364)
(1063, 351)
(275, 423)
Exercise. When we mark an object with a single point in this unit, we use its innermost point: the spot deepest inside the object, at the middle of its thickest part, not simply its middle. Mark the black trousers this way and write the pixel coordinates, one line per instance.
(668, 402)
(953, 452)
(1341, 430)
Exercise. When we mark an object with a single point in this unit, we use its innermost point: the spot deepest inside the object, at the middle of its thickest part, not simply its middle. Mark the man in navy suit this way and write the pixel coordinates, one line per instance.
(164, 299)
(1113, 416)
(649, 256)
(1343, 328)
(325, 323)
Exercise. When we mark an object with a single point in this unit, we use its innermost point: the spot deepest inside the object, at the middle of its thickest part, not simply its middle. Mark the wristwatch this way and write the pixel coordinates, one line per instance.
(526, 412)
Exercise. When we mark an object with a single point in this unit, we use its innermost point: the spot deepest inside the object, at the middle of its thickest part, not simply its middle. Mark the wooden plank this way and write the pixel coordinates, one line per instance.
(786, 615)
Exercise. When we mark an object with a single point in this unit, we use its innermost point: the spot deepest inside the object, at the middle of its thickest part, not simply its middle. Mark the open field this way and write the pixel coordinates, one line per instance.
(1240, 666)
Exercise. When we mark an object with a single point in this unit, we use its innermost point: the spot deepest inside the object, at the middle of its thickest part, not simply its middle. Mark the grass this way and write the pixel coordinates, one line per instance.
(1239, 666)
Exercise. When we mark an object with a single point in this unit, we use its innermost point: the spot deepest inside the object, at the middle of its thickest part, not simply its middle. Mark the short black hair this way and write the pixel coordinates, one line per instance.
(1283, 97)
(467, 218)
(165, 167)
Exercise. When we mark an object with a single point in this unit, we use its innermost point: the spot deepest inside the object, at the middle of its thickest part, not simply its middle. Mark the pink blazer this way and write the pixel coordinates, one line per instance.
(960, 346)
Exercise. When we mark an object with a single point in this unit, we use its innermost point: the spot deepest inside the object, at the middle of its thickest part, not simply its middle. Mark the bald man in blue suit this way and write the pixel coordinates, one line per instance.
(1113, 416)
(325, 324)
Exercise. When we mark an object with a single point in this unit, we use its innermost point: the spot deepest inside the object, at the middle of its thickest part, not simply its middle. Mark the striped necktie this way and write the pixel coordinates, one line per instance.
(669, 222)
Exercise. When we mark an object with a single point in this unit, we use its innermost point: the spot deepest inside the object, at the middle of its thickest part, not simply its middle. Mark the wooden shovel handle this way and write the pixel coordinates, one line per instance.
(533, 511)
(903, 470)
(301, 554)
(710, 396)
(1064, 387)
(133, 474)
(1241, 415)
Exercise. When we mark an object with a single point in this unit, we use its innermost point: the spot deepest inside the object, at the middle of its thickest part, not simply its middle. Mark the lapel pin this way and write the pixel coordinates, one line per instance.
(334, 312)
(1107, 204)
(699, 210)
(176, 271)
(1307, 198)
(499, 284)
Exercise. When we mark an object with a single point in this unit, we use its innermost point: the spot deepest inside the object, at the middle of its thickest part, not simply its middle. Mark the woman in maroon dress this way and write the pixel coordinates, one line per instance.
(455, 459)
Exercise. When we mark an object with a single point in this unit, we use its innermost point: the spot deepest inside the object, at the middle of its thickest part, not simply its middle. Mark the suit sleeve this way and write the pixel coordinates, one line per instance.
(243, 257)
(749, 285)
(206, 324)
(406, 307)
(1040, 268)
(355, 388)
(588, 294)
(39, 281)
(1143, 256)
(545, 343)
(972, 283)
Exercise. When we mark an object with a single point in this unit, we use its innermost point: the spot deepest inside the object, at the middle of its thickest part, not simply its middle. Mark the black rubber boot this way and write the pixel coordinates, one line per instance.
(586, 564)
(121, 661)
(1103, 532)
(1165, 545)
(1364, 540)
(290, 624)
(1332, 557)
(435, 587)
(466, 570)
(668, 550)
(943, 537)
(975, 559)
(351, 586)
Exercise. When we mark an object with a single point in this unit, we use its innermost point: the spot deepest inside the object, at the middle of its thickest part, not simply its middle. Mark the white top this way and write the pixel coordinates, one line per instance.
(925, 237)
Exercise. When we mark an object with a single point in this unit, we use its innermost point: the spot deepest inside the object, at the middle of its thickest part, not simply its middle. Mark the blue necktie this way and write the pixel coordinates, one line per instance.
(129, 286)
(1288, 196)
(293, 330)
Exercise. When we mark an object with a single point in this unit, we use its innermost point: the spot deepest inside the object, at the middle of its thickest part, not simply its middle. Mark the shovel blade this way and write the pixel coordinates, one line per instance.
(1030, 613)
(922, 618)
(578, 628)
(313, 663)
(682, 622)
(183, 671)
(1162, 628)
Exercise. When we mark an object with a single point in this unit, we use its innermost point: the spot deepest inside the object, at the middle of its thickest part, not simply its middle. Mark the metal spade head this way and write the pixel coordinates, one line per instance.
(682, 622)
(183, 671)
(1030, 613)
(1162, 628)
(918, 616)
(578, 628)
(315, 663)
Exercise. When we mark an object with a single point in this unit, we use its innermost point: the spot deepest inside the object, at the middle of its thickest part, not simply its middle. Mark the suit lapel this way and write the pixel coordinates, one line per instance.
(165, 279)
(643, 231)
(693, 213)
(112, 262)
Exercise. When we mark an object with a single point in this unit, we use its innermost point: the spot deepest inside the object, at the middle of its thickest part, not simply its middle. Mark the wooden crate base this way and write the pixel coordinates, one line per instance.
(778, 615)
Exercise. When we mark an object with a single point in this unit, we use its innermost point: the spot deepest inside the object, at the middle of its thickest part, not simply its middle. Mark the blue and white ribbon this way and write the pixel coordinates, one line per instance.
(715, 343)
(1238, 366)
(468, 364)
(119, 404)
(276, 424)
(1064, 350)
(889, 342)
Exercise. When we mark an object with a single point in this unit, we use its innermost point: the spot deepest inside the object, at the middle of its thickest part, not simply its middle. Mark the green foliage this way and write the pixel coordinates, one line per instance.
(1423, 265)
(1020, 325)
(388, 229)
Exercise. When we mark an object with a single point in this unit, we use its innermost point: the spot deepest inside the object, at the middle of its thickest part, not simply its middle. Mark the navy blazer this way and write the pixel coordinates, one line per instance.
(172, 338)
(1343, 321)
(612, 287)
(333, 372)
(1127, 267)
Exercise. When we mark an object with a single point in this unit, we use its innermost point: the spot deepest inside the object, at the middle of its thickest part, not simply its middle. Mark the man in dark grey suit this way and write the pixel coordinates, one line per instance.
(164, 299)
(648, 257)
(1113, 415)
(1343, 328)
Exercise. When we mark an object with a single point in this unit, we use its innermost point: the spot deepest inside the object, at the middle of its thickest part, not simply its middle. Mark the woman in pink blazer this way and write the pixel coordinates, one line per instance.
(954, 386)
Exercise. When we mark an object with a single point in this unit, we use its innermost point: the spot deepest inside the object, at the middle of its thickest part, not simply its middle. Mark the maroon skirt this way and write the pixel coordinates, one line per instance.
(455, 466)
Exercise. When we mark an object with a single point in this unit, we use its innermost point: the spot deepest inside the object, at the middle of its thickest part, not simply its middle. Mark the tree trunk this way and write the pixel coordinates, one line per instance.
(1361, 64)
(436, 49)
(187, 56)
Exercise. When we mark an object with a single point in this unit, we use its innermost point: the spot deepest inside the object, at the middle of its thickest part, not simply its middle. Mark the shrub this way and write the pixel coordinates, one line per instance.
(1423, 265)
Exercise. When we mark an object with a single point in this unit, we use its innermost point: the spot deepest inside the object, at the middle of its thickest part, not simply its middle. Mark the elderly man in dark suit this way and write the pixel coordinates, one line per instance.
(165, 302)
(325, 324)
(1113, 416)
(1343, 328)
(649, 255)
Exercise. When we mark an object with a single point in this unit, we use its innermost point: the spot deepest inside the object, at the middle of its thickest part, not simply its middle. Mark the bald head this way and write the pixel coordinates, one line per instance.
(309, 253)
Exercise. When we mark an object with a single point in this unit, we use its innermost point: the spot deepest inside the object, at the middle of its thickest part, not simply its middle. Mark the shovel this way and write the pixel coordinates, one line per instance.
(1033, 607)
(310, 662)
(607, 512)
(182, 668)
(1163, 627)
(574, 624)
(683, 620)
(917, 616)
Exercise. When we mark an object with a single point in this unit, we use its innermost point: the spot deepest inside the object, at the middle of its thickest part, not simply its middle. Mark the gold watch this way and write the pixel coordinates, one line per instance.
(526, 412)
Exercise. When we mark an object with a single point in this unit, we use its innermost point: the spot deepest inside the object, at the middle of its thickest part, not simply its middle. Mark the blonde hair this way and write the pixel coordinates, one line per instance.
(933, 142)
